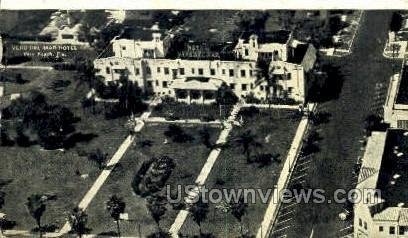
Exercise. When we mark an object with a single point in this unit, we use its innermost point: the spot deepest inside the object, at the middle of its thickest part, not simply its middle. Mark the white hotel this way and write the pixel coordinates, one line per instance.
(197, 72)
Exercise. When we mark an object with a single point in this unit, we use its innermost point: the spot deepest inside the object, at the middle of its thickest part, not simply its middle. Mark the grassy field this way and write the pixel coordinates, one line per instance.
(32, 170)
(275, 131)
(189, 158)
(179, 110)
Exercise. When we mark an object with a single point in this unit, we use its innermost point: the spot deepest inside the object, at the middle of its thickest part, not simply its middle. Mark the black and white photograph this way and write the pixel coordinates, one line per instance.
(169, 121)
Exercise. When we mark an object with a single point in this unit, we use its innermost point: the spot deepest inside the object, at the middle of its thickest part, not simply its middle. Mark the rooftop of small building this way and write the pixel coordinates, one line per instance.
(279, 36)
(402, 95)
(393, 175)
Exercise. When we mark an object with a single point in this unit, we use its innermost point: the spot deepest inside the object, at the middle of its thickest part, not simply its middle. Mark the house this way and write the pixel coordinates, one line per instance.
(381, 209)
(396, 104)
(199, 68)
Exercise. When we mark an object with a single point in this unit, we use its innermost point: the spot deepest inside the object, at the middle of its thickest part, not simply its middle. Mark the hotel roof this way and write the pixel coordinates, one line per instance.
(385, 167)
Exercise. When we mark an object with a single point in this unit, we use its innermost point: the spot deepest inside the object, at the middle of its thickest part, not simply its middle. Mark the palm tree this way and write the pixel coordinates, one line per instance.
(263, 75)
(157, 208)
(36, 207)
(247, 141)
(199, 212)
(78, 220)
(116, 206)
(238, 210)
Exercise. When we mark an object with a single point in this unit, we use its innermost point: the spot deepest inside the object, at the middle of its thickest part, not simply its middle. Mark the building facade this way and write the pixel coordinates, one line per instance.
(146, 63)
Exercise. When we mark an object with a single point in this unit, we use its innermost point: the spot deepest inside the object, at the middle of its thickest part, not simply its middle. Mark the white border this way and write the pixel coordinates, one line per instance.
(203, 4)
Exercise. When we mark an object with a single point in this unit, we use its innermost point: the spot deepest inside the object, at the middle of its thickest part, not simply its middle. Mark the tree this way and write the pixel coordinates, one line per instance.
(263, 75)
(157, 208)
(199, 211)
(205, 137)
(5, 138)
(98, 157)
(36, 207)
(225, 95)
(247, 141)
(78, 219)
(130, 95)
(116, 206)
(238, 209)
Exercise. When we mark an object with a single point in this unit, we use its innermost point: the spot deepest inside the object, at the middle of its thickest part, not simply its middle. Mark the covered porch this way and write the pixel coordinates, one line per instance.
(196, 90)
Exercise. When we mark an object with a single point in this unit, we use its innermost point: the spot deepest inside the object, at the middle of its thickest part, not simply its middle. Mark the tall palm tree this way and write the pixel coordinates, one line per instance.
(263, 75)
(116, 206)
(78, 220)
(238, 210)
(157, 208)
(199, 212)
(36, 207)
(247, 141)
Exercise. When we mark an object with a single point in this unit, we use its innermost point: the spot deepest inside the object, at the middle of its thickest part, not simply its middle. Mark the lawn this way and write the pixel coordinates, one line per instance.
(275, 131)
(179, 110)
(189, 158)
(33, 170)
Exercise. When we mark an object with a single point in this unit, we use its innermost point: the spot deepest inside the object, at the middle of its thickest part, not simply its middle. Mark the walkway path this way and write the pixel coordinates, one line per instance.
(26, 67)
(205, 171)
(284, 176)
(110, 166)
(186, 121)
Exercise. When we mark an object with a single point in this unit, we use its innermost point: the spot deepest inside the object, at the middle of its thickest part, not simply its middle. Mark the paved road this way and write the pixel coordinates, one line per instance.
(332, 167)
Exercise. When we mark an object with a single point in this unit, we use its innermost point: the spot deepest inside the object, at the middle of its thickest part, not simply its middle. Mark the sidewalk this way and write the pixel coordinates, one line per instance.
(290, 162)
(109, 167)
(205, 171)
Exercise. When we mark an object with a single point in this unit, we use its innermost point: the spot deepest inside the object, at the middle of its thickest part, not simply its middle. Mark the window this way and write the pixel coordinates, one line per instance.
(166, 70)
(192, 70)
(157, 82)
(246, 52)
(380, 228)
(200, 71)
(164, 84)
(243, 73)
(250, 72)
(252, 85)
(288, 76)
(232, 86)
(148, 70)
(365, 225)
(290, 89)
(137, 71)
(360, 222)
(108, 70)
(403, 124)
(392, 230)
(158, 69)
(123, 47)
(231, 73)
(261, 87)
(212, 71)
(149, 84)
(181, 71)
(401, 230)
(223, 71)
(244, 87)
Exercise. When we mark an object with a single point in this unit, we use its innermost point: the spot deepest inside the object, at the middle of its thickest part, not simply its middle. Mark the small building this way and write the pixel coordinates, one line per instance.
(381, 210)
